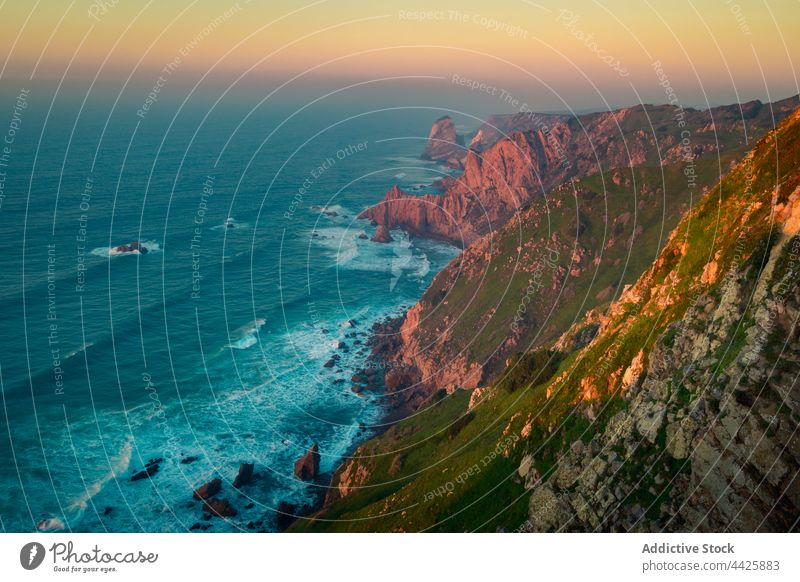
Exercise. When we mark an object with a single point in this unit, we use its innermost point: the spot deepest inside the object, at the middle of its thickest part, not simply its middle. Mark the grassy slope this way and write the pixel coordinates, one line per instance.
(433, 453)
(494, 291)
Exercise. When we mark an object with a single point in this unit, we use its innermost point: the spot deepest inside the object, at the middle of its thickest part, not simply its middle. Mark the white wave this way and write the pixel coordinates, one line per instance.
(337, 208)
(117, 468)
(310, 342)
(247, 335)
(231, 224)
(398, 258)
(77, 351)
(50, 524)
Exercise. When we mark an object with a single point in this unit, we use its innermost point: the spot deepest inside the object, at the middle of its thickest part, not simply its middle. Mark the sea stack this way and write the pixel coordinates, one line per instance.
(208, 490)
(444, 144)
(307, 466)
(244, 476)
(382, 234)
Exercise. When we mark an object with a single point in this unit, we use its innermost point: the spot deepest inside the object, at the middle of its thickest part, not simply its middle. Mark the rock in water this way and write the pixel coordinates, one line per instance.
(134, 247)
(285, 515)
(382, 234)
(208, 490)
(219, 507)
(307, 466)
(245, 475)
(150, 469)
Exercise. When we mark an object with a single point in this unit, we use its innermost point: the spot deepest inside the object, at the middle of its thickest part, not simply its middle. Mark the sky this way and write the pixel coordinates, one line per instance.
(579, 54)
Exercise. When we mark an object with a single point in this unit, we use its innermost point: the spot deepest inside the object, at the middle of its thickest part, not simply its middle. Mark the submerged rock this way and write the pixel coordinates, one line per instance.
(150, 469)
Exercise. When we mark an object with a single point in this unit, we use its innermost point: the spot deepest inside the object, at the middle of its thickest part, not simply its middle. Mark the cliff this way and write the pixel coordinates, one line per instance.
(525, 284)
(679, 413)
(702, 355)
(517, 159)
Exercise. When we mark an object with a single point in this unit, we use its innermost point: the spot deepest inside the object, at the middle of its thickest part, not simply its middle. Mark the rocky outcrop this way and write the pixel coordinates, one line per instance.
(513, 164)
(307, 466)
(497, 127)
(444, 144)
(208, 489)
(494, 185)
(706, 440)
(244, 476)
(710, 450)
(219, 508)
(134, 247)
(151, 468)
(382, 234)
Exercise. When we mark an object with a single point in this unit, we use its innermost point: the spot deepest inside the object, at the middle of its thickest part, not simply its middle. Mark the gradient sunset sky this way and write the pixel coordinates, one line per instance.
(712, 51)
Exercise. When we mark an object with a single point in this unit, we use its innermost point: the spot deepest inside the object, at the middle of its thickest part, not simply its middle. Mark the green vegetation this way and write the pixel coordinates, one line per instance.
(535, 367)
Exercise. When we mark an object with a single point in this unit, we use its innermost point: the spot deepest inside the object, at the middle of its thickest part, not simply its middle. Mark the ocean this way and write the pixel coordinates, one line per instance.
(208, 351)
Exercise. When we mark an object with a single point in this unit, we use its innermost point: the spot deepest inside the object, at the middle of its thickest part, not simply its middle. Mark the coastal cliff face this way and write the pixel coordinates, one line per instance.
(679, 411)
(706, 435)
(524, 284)
(516, 159)
(492, 187)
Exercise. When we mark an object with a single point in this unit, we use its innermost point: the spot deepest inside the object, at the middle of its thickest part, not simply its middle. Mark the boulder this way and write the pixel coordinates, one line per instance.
(208, 490)
(219, 507)
(134, 247)
(150, 469)
(245, 475)
(307, 466)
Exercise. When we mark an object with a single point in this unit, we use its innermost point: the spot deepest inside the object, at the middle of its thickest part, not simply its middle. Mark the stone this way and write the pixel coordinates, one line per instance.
(307, 466)
(208, 490)
(219, 508)
(134, 247)
(149, 470)
(244, 476)
(382, 235)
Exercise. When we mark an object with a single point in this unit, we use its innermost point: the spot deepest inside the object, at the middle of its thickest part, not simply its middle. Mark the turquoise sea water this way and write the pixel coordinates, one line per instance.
(212, 344)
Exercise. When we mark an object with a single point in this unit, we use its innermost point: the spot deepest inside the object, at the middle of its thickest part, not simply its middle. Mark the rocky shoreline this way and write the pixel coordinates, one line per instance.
(376, 376)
